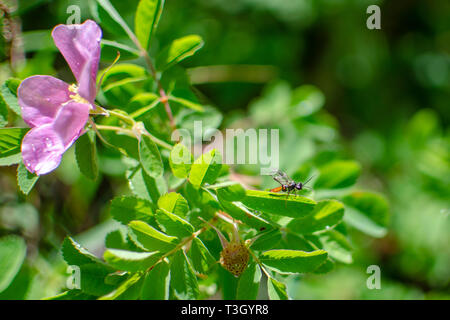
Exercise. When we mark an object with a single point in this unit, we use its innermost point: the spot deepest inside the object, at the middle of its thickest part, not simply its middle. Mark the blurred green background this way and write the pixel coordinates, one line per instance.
(387, 95)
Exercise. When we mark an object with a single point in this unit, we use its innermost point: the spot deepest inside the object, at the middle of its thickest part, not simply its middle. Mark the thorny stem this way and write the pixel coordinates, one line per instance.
(162, 92)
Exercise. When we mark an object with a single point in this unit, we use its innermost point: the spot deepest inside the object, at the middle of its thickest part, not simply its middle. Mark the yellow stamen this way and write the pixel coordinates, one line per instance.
(76, 97)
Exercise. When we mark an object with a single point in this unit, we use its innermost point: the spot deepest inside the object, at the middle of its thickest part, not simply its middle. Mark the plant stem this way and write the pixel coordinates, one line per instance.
(122, 117)
(132, 134)
(162, 92)
(183, 243)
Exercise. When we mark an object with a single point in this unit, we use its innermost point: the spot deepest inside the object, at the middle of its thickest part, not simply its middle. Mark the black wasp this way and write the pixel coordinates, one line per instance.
(287, 184)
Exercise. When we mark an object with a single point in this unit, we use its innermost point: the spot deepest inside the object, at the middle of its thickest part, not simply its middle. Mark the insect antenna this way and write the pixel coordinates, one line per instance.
(309, 179)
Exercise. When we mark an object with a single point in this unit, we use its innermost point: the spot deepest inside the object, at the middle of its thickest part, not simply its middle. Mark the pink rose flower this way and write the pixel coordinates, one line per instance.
(56, 111)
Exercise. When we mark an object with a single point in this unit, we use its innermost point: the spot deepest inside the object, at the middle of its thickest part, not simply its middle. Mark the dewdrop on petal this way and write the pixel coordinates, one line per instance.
(235, 254)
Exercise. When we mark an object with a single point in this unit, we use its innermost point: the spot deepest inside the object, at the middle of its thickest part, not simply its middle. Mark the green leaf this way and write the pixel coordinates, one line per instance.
(74, 294)
(183, 279)
(173, 224)
(110, 48)
(368, 212)
(229, 190)
(122, 71)
(248, 284)
(278, 203)
(150, 157)
(12, 254)
(187, 103)
(276, 290)
(337, 246)
(19, 287)
(74, 254)
(239, 212)
(92, 279)
(129, 260)
(86, 155)
(25, 179)
(3, 113)
(267, 240)
(112, 20)
(146, 20)
(126, 209)
(180, 161)
(156, 283)
(142, 104)
(123, 288)
(178, 50)
(145, 186)
(175, 203)
(116, 240)
(326, 267)
(121, 92)
(326, 214)
(206, 169)
(10, 143)
(125, 144)
(296, 242)
(293, 261)
(338, 174)
(149, 238)
(201, 258)
(8, 93)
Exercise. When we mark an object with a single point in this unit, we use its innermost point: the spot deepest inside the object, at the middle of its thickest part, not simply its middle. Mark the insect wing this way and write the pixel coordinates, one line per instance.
(281, 177)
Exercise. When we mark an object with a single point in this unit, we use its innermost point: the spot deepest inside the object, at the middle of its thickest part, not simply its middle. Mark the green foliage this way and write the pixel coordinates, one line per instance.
(129, 260)
(10, 143)
(149, 238)
(367, 212)
(8, 96)
(338, 174)
(177, 51)
(110, 48)
(159, 242)
(25, 179)
(175, 203)
(147, 17)
(293, 261)
(180, 161)
(150, 157)
(248, 284)
(12, 254)
(201, 258)
(326, 214)
(278, 204)
(156, 283)
(183, 280)
(127, 209)
(276, 289)
(86, 155)
(205, 169)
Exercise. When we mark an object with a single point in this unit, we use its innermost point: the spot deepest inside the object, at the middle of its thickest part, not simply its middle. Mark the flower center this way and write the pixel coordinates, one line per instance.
(75, 96)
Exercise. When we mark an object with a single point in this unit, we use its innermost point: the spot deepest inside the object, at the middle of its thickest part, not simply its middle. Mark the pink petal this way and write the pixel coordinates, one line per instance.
(70, 122)
(40, 98)
(80, 43)
(43, 146)
(87, 85)
(42, 150)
